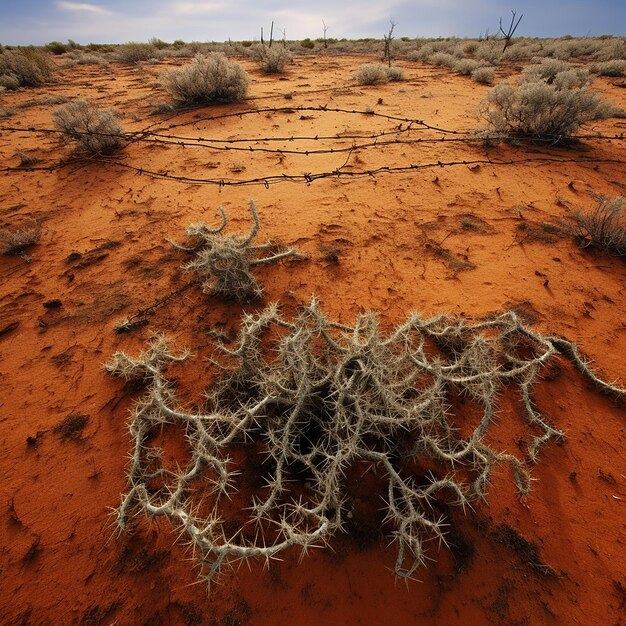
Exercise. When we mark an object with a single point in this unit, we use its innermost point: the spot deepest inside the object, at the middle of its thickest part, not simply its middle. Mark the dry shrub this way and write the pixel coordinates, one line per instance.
(465, 66)
(545, 105)
(615, 68)
(376, 73)
(133, 52)
(24, 67)
(274, 60)
(206, 80)
(546, 69)
(26, 159)
(94, 130)
(443, 59)
(604, 227)
(484, 75)
(310, 400)
(395, 74)
(85, 58)
(223, 263)
(15, 241)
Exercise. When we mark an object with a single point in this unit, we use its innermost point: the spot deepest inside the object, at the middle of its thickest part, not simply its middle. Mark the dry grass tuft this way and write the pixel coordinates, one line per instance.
(604, 227)
(15, 241)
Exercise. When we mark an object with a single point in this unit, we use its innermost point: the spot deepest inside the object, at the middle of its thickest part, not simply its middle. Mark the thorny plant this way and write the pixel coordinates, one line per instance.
(223, 263)
(333, 396)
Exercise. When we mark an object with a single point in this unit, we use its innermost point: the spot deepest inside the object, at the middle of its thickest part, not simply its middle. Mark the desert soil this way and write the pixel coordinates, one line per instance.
(465, 239)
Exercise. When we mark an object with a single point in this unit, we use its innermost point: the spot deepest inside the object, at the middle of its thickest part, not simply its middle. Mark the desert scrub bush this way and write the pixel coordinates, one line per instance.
(484, 75)
(395, 74)
(611, 49)
(442, 59)
(543, 106)
(376, 73)
(223, 264)
(274, 60)
(93, 130)
(465, 66)
(24, 67)
(371, 74)
(56, 47)
(311, 400)
(133, 52)
(206, 80)
(545, 69)
(16, 240)
(85, 58)
(603, 227)
(615, 68)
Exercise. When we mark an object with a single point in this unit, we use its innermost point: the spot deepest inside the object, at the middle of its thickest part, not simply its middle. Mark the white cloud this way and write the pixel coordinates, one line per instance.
(82, 7)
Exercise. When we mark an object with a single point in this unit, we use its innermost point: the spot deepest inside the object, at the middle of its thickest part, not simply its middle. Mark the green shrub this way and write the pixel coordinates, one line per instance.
(157, 43)
(56, 47)
(94, 130)
(207, 79)
(308, 44)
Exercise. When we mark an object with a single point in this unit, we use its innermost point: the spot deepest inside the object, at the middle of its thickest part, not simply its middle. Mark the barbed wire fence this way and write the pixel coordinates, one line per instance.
(402, 133)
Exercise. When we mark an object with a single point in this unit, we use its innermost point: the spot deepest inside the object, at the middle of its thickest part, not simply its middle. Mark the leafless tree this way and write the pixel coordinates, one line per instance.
(508, 34)
(388, 38)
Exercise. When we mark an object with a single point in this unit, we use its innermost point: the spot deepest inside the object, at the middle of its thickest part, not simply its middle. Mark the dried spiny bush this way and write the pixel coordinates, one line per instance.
(206, 80)
(546, 105)
(94, 130)
(24, 67)
(376, 73)
(223, 263)
(604, 227)
(16, 240)
(312, 399)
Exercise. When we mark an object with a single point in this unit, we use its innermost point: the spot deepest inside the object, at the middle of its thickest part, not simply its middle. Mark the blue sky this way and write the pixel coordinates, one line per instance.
(116, 21)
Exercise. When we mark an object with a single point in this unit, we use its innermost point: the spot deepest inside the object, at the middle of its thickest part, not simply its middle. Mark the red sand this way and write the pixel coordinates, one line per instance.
(403, 242)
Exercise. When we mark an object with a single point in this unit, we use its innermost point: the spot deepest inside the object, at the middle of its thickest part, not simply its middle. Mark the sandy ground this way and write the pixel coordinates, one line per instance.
(462, 239)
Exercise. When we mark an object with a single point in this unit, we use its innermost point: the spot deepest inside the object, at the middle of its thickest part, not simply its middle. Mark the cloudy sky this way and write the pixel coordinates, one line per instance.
(116, 21)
